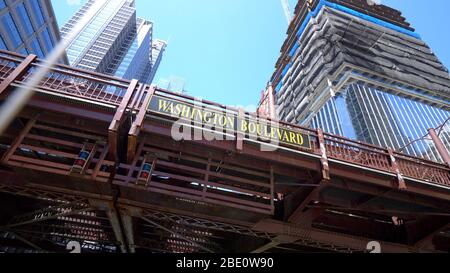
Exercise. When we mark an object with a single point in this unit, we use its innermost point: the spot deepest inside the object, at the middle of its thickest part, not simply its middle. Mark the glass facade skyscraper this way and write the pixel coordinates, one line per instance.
(136, 60)
(114, 42)
(361, 71)
(28, 27)
(158, 48)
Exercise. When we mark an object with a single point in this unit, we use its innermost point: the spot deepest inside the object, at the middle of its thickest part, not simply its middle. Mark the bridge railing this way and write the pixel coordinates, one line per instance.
(8, 62)
(423, 170)
(99, 88)
(379, 158)
(66, 81)
(347, 150)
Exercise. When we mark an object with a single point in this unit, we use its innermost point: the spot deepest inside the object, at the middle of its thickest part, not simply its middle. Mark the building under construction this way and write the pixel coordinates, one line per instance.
(84, 165)
(360, 70)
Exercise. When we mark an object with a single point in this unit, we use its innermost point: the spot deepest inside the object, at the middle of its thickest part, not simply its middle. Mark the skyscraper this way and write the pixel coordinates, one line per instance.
(360, 70)
(136, 63)
(158, 48)
(28, 27)
(114, 42)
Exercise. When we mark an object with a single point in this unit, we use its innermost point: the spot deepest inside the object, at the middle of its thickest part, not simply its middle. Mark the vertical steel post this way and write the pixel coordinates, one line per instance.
(18, 72)
(119, 116)
(18, 140)
(324, 159)
(443, 152)
(272, 190)
(240, 136)
(396, 169)
(137, 125)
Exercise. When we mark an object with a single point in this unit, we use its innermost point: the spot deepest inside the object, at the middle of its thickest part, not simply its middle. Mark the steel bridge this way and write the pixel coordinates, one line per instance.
(74, 162)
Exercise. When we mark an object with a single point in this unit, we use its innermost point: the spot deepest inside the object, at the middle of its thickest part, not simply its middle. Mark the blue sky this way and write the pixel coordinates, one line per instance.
(226, 49)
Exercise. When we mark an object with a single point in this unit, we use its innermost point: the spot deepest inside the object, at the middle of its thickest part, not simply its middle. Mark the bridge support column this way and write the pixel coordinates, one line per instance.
(122, 224)
(20, 70)
(137, 125)
(118, 119)
(302, 215)
(440, 146)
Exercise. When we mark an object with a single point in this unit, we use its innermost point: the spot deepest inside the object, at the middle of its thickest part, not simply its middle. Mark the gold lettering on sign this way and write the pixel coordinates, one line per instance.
(252, 128)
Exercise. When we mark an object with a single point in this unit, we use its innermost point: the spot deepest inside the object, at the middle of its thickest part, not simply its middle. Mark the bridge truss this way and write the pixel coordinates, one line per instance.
(200, 196)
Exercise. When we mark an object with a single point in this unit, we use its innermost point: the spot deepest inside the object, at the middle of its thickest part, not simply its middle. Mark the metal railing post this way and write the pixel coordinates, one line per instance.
(396, 169)
(18, 72)
(324, 158)
(239, 135)
(443, 152)
(138, 123)
(119, 116)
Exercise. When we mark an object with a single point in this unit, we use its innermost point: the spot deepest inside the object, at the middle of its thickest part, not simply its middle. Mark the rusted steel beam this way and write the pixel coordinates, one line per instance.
(381, 180)
(279, 240)
(18, 72)
(206, 179)
(296, 216)
(118, 118)
(426, 243)
(19, 139)
(70, 132)
(136, 158)
(357, 226)
(137, 124)
(272, 189)
(216, 174)
(324, 157)
(206, 222)
(48, 214)
(396, 169)
(338, 240)
(71, 123)
(100, 162)
(195, 153)
(239, 135)
(217, 199)
(351, 171)
(176, 234)
(117, 223)
(443, 152)
(72, 110)
(255, 153)
(25, 241)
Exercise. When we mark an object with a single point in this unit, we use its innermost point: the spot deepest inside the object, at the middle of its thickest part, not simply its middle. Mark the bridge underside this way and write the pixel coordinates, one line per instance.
(201, 196)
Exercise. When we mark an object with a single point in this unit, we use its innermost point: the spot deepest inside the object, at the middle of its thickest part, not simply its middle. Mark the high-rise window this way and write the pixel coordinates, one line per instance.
(36, 48)
(37, 11)
(23, 51)
(11, 28)
(2, 4)
(25, 19)
(47, 40)
(2, 43)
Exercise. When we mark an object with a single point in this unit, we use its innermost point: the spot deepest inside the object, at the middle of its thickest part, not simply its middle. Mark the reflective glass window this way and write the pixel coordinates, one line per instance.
(2, 44)
(25, 19)
(37, 11)
(37, 48)
(11, 29)
(23, 51)
(47, 40)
